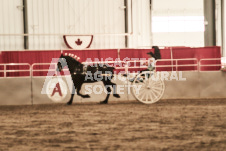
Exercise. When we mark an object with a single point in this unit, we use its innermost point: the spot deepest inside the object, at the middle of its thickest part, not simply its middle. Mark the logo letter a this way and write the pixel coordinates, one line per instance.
(57, 89)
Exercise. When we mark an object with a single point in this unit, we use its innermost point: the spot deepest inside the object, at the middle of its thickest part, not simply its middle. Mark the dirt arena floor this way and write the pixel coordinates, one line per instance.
(165, 125)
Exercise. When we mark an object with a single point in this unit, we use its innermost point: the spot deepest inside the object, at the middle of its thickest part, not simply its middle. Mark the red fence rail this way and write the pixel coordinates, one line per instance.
(173, 59)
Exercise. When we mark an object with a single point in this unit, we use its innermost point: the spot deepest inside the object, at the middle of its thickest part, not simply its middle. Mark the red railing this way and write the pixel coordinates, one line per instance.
(15, 70)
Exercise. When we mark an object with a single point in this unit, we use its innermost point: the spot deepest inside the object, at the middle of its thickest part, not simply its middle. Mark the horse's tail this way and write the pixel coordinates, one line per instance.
(157, 53)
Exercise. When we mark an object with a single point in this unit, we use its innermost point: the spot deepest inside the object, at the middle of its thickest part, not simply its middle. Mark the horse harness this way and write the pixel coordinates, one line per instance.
(87, 69)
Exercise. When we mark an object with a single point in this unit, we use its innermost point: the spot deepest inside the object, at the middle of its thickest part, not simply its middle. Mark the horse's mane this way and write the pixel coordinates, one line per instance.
(71, 59)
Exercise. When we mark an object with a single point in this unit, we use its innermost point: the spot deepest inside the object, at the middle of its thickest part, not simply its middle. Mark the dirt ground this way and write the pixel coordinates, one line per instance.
(165, 125)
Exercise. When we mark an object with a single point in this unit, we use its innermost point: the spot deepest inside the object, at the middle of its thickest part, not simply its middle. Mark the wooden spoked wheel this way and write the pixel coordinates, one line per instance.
(148, 87)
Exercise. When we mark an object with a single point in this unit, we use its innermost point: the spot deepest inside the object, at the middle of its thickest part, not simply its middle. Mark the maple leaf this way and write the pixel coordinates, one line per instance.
(78, 42)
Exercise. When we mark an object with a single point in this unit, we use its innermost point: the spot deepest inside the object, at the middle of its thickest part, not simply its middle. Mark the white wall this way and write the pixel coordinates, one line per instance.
(178, 23)
(218, 23)
(224, 28)
(11, 22)
(76, 17)
(103, 19)
(140, 24)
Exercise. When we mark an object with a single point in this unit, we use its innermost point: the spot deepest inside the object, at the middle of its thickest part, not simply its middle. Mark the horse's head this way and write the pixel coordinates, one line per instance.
(72, 64)
(61, 63)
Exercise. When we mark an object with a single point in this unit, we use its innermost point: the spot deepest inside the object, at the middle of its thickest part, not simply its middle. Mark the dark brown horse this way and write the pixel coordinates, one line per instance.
(79, 73)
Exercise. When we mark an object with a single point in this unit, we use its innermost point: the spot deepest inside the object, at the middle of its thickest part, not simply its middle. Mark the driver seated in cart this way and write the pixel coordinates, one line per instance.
(152, 58)
(151, 61)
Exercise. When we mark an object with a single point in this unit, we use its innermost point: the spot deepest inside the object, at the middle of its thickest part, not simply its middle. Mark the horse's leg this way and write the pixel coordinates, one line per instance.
(78, 92)
(108, 94)
(72, 96)
(114, 90)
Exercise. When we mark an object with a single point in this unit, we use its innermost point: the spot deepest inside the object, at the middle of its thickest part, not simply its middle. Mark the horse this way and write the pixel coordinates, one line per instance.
(79, 73)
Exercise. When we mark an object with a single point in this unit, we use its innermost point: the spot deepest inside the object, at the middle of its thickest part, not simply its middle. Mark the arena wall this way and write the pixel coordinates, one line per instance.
(38, 98)
(15, 91)
(183, 89)
(212, 84)
(23, 91)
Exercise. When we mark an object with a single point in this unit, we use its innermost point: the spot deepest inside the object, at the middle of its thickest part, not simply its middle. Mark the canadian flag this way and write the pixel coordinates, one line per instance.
(78, 41)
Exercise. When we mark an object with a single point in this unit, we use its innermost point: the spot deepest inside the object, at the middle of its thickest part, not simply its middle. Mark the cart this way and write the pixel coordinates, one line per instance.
(147, 87)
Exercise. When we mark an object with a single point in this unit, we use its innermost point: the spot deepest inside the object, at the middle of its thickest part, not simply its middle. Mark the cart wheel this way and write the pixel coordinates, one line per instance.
(147, 87)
